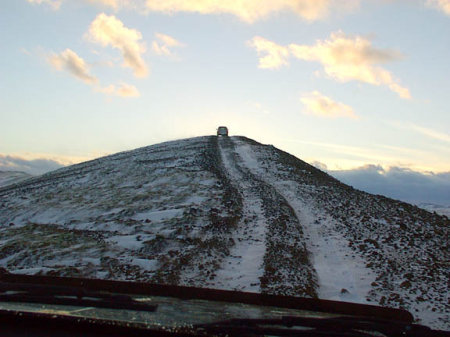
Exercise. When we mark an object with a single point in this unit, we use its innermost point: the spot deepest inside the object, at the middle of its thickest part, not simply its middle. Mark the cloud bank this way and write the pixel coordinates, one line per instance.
(110, 31)
(34, 166)
(69, 61)
(399, 183)
(320, 105)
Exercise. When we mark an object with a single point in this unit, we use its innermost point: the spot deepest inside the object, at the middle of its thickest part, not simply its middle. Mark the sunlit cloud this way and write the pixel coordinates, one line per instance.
(442, 5)
(248, 11)
(122, 90)
(271, 55)
(110, 31)
(54, 4)
(345, 58)
(164, 44)
(253, 10)
(69, 61)
(320, 105)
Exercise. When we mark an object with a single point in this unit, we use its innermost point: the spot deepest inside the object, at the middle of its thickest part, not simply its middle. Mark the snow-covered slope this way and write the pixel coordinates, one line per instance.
(227, 213)
(12, 177)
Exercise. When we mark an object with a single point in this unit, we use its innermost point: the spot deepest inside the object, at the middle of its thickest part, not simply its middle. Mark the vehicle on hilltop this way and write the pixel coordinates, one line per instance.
(222, 131)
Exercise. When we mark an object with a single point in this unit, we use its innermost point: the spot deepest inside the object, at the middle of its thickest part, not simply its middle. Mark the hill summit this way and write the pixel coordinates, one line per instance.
(228, 213)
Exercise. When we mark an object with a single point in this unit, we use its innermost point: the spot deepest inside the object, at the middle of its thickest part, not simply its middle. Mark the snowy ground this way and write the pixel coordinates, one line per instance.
(341, 274)
(364, 248)
(227, 213)
(244, 266)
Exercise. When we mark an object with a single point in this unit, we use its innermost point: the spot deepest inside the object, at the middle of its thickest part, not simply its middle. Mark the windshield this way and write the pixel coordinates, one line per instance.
(296, 148)
(146, 307)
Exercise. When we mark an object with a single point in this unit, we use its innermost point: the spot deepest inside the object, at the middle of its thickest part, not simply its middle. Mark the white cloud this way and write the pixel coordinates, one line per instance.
(253, 10)
(248, 11)
(320, 105)
(110, 31)
(346, 58)
(69, 61)
(54, 4)
(123, 90)
(164, 43)
(271, 55)
(442, 5)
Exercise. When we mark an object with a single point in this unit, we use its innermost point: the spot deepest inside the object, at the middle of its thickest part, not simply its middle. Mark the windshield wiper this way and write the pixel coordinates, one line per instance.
(63, 295)
(344, 326)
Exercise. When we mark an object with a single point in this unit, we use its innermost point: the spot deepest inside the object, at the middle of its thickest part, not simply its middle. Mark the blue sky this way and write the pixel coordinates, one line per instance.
(346, 86)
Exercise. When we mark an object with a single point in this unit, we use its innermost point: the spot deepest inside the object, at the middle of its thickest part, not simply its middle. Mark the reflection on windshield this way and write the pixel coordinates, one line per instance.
(170, 312)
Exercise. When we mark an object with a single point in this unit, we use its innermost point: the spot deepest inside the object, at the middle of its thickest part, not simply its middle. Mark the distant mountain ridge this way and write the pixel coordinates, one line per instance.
(230, 213)
(12, 177)
(439, 209)
(418, 188)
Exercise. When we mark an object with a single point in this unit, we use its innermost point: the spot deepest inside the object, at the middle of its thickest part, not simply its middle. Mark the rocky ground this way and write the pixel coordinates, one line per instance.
(227, 213)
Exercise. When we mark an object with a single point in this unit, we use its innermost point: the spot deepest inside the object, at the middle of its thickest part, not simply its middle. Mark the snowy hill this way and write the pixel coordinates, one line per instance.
(12, 177)
(227, 213)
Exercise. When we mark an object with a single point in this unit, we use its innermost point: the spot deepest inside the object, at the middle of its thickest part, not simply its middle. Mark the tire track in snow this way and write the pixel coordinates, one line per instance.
(269, 254)
(341, 275)
(243, 267)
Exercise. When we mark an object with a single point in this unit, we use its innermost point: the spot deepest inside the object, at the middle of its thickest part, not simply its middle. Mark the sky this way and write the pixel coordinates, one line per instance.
(348, 84)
